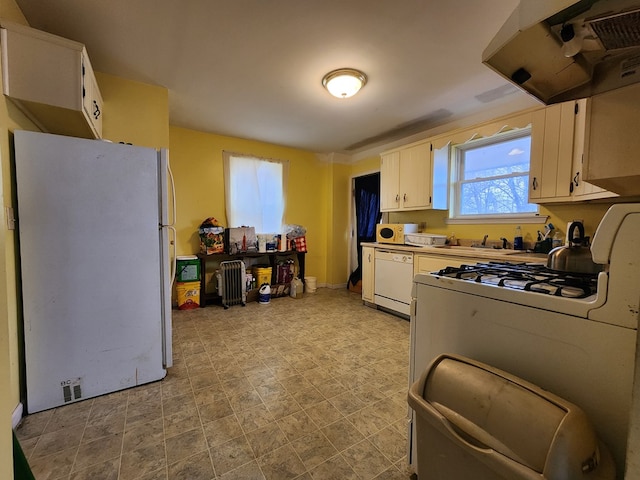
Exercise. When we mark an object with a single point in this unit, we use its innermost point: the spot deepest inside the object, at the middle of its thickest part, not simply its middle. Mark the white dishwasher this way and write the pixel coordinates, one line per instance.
(393, 280)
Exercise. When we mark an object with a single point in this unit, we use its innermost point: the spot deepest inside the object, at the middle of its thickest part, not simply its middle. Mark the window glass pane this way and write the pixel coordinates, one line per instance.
(497, 159)
(499, 196)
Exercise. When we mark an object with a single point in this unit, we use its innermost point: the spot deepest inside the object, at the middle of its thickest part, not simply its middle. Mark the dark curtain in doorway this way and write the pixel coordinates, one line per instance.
(367, 197)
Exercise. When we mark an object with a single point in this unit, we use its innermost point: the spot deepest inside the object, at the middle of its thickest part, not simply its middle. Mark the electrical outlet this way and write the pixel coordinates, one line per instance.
(11, 219)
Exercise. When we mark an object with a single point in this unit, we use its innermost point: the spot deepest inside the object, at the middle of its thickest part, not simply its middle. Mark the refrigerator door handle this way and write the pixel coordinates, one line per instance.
(168, 268)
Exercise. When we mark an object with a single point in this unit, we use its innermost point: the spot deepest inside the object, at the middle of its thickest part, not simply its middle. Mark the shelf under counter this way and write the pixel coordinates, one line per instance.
(272, 257)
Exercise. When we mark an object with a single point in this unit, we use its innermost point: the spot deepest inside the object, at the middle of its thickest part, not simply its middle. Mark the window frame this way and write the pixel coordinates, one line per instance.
(456, 183)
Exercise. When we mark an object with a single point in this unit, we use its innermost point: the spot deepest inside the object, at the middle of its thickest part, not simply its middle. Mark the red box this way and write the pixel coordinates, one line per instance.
(300, 244)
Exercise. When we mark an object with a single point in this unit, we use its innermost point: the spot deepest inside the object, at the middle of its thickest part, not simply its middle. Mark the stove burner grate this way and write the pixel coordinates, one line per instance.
(528, 277)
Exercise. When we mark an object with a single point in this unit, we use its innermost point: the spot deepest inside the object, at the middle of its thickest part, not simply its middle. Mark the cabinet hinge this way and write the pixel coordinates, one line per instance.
(431, 147)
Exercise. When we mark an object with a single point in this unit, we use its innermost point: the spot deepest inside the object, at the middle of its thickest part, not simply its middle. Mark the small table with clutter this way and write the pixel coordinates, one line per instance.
(218, 244)
(220, 257)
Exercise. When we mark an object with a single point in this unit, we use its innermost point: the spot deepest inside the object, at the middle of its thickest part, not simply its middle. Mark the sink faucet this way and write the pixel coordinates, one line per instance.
(484, 241)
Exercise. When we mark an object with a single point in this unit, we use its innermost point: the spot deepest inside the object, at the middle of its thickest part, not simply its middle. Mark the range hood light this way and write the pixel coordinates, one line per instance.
(572, 42)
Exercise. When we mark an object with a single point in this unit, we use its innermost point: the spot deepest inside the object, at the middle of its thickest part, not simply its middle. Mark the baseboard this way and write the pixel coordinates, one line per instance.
(16, 416)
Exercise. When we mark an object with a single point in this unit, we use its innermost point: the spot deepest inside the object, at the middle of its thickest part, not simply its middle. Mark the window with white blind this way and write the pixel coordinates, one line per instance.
(255, 191)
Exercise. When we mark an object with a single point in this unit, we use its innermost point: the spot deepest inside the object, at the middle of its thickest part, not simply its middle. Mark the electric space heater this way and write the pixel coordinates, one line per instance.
(232, 285)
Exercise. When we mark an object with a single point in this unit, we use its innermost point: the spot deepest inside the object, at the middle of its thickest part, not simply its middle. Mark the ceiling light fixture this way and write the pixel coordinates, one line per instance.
(344, 82)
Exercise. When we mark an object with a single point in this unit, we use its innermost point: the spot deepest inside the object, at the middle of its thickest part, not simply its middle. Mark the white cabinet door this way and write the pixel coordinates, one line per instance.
(582, 190)
(91, 97)
(368, 273)
(390, 181)
(552, 133)
(611, 159)
(433, 263)
(415, 177)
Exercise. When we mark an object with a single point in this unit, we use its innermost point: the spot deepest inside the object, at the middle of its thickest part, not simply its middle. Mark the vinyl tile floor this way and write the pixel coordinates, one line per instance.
(311, 388)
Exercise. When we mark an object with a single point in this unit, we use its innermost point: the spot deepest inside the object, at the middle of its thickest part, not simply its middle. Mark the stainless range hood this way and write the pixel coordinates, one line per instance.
(532, 48)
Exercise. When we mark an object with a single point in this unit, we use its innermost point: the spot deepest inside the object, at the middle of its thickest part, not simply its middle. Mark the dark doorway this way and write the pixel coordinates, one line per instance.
(367, 212)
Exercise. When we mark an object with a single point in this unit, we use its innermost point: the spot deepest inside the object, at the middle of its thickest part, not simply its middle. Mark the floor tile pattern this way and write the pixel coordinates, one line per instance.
(311, 388)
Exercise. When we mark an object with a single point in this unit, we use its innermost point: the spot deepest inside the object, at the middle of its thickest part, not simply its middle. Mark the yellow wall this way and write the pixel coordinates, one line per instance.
(338, 223)
(196, 162)
(134, 112)
(10, 119)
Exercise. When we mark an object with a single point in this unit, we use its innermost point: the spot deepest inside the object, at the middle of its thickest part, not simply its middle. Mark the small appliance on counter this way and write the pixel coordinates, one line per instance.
(425, 239)
(394, 232)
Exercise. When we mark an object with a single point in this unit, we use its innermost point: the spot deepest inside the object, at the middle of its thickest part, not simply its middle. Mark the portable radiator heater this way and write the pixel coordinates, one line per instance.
(232, 284)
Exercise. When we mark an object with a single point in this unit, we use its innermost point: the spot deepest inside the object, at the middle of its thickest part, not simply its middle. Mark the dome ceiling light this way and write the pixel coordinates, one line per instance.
(344, 82)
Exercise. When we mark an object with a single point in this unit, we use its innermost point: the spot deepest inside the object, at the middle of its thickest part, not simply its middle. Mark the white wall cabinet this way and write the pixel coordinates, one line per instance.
(368, 273)
(557, 153)
(613, 142)
(51, 80)
(407, 178)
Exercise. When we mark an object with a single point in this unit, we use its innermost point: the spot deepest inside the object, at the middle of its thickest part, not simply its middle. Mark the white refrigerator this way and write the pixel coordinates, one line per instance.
(94, 264)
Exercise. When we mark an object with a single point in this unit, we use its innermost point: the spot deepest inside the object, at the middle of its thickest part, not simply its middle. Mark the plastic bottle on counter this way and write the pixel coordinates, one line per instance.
(518, 244)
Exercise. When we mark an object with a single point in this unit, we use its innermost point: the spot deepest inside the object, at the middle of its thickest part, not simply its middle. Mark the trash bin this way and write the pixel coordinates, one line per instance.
(475, 421)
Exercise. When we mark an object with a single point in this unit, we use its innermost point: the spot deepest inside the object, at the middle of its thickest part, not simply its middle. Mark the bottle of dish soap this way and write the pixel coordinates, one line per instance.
(518, 244)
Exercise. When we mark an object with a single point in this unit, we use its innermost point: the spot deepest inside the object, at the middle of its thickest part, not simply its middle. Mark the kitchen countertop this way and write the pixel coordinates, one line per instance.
(471, 252)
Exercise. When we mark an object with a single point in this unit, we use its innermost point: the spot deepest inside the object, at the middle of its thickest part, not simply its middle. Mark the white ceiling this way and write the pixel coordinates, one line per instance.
(253, 68)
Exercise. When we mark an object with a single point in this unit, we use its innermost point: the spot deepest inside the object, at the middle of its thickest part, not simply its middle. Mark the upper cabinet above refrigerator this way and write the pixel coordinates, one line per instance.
(51, 80)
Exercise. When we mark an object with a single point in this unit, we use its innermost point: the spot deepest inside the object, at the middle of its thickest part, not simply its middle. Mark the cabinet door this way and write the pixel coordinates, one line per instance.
(367, 273)
(390, 181)
(582, 190)
(611, 160)
(552, 137)
(91, 98)
(433, 263)
(415, 177)
(537, 155)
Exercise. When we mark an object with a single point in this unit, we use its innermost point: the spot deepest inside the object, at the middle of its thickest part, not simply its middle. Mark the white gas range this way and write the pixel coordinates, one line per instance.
(574, 335)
